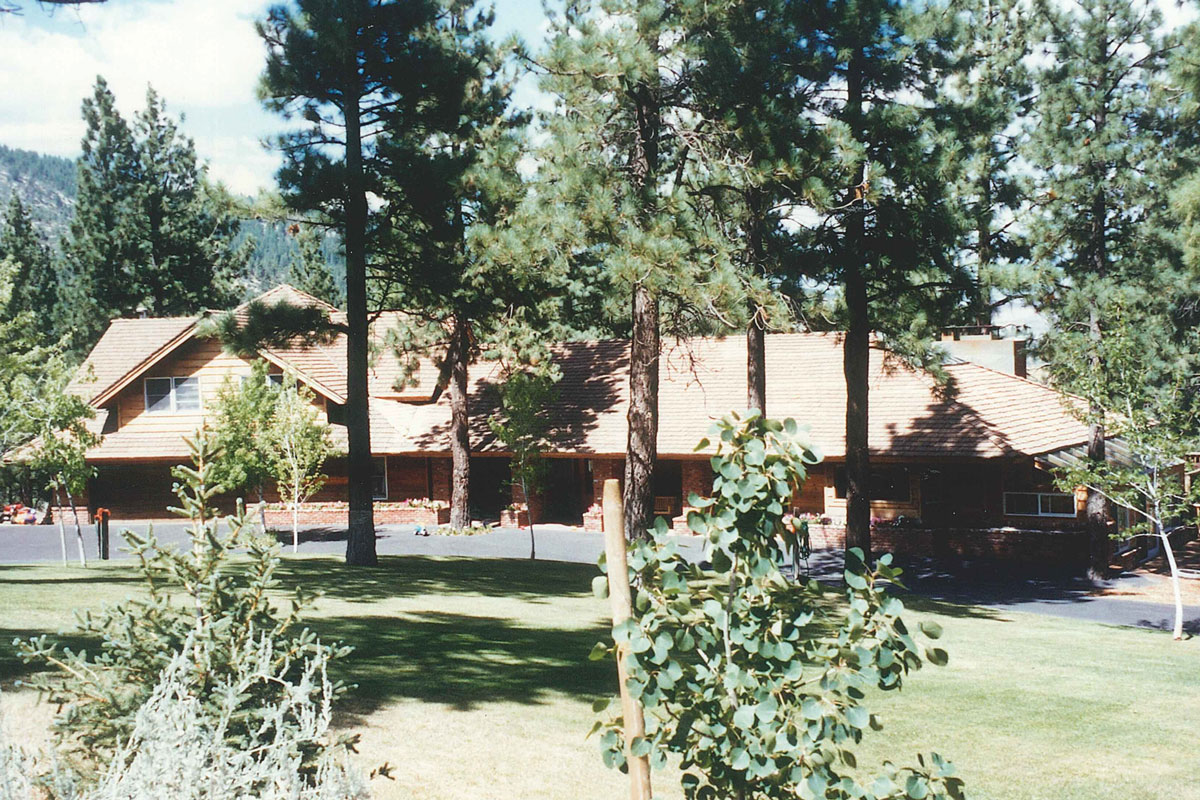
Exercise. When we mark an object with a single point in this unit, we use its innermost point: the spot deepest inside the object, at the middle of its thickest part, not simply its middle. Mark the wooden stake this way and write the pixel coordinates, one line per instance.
(621, 600)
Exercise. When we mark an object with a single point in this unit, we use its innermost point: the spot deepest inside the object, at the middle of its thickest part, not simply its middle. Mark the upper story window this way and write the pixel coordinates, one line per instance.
(172, 395)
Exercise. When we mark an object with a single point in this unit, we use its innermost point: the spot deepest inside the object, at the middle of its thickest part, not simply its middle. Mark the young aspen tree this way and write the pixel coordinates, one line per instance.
(300, 443)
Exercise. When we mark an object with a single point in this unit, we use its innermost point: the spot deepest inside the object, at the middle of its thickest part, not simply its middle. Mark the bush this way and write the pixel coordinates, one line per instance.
(180, 746)
(754, 682)
(198, 601)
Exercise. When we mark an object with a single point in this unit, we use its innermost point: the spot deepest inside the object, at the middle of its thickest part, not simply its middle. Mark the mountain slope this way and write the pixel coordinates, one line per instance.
(46, 185)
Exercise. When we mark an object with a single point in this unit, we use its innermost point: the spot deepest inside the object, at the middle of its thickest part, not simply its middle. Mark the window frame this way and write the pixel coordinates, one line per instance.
(375, 460)
(171, 395)
(1040, 513)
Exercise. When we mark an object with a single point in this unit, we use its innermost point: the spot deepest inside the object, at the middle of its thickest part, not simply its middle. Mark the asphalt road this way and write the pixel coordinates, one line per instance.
(1051, 595)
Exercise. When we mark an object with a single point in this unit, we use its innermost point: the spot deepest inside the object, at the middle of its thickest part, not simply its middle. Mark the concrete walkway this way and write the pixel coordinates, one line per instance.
(1059, 596)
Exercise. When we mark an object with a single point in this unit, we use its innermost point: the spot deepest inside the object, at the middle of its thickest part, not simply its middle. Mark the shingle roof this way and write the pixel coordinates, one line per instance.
(990, 413)
(126, 347)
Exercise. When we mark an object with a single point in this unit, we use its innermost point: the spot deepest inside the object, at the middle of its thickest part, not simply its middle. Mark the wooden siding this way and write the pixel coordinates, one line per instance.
(203, 359)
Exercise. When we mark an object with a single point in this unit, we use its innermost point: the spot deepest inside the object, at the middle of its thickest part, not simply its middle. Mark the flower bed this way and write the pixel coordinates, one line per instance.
(416, 511)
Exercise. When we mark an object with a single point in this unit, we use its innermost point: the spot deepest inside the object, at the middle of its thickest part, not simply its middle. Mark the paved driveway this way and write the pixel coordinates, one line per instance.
(21, 544)
(1056, 596)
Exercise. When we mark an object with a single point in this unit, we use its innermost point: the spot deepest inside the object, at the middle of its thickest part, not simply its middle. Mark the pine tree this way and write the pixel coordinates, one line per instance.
(358, 72)
(35, 282)
(310, 269)
(101, 253)
(990, 96)
(754, 84)
(1097, 143)
(447, 184)
(885, 246)
(149, 229)
(612, 204)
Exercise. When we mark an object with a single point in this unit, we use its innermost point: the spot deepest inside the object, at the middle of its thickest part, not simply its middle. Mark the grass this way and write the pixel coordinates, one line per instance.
(473, 682)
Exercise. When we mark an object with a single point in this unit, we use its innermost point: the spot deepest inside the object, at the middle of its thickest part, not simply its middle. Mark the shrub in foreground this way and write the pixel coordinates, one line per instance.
(199, 601)
(755, 683)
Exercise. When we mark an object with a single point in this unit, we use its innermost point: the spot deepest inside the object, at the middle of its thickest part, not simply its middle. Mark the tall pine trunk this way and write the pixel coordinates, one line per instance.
(856, 363)
(756, 362)
(641, 450)
(756, 331)
(360, 539)
(856, 349)
(460, 434)
(1097, 508)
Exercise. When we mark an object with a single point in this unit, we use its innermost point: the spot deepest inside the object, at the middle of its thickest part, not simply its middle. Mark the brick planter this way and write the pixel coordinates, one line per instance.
(514, 519)
(339, 514)
(593, 519)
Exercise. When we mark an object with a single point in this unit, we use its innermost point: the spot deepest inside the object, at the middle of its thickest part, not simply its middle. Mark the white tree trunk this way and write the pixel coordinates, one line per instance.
(262, 510)
(78, 528)
(529, 512)
(295, 511)
(62, 526)
(1166, 542)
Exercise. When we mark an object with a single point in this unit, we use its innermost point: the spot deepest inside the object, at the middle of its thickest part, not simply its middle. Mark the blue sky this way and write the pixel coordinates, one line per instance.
(202, 56)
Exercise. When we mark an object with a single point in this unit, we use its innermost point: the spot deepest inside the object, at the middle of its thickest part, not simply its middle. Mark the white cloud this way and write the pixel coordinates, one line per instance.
(202, 56)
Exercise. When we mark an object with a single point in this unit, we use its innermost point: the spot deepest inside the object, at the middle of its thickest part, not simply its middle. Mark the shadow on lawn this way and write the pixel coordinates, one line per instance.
(412, 576)
(464, 661)
(12, 668)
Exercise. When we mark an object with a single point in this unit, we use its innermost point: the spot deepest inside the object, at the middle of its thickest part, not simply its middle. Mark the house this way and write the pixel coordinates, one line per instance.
(943, 463)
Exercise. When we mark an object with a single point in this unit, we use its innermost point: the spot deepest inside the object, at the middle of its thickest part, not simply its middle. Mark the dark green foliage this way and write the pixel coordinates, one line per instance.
(357, 72)
(34, 281)
(1101, 146)
(240, 420)
(310, 270)
(276, 324)
(740, 672)
(149, 230)
(199, 595)
(613, 216)
(451, 180)
(522, 425)
(991, 92)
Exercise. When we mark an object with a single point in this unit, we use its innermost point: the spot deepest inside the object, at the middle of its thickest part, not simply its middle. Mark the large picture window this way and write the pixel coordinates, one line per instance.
(889, 484)
(172, 395)
(1039, 504)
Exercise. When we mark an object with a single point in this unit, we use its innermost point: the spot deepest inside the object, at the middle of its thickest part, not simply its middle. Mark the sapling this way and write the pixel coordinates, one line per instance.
(101, 692)
(755, 684)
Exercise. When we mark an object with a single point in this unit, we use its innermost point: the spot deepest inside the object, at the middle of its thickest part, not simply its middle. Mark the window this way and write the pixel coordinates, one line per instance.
(172, 395)
(1039, 504)
(273, 379)
(379, 478)
(889, 484)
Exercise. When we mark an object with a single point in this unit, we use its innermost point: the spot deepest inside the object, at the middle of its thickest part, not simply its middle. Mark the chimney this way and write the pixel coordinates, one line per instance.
(989, 346)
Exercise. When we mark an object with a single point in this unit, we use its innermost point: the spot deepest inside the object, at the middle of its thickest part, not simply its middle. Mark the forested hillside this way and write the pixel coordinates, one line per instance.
(46, 185)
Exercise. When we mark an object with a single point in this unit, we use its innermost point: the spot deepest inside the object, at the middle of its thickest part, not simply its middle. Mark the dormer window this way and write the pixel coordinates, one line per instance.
(172, 395)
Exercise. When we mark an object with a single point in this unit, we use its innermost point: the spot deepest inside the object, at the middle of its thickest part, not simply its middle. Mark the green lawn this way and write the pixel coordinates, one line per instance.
(473, 682)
